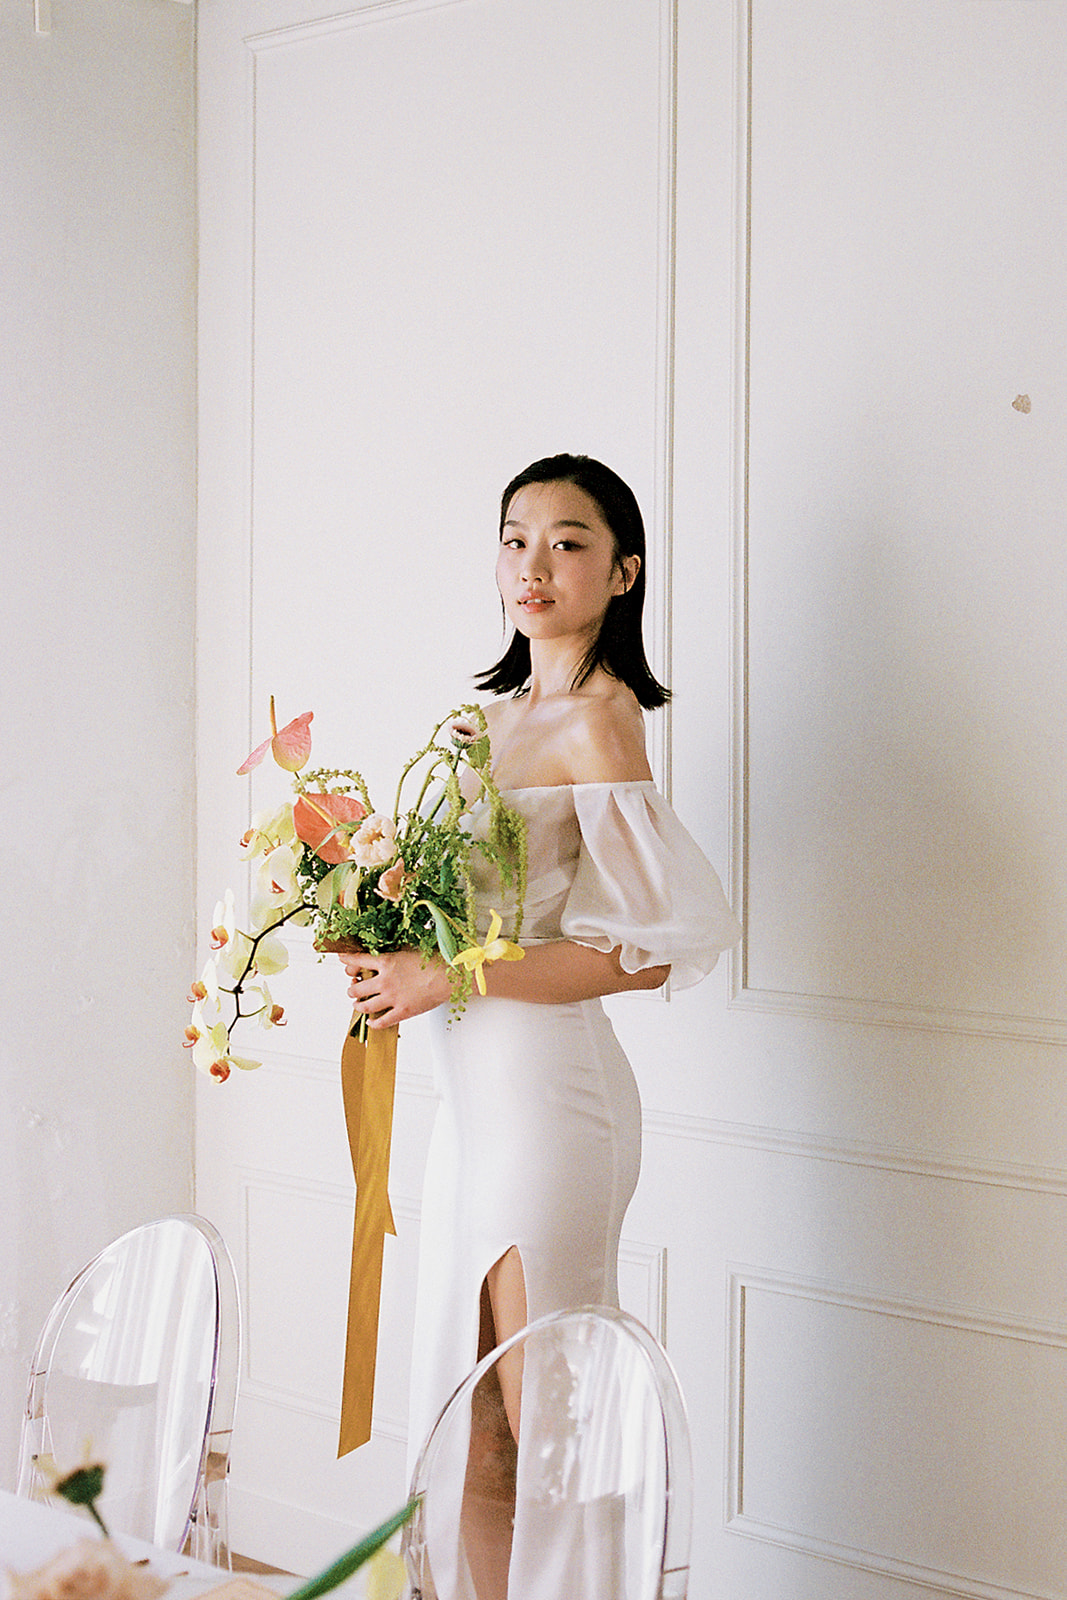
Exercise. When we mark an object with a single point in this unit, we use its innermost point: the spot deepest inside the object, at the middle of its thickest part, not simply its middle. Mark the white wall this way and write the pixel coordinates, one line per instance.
(97, 484)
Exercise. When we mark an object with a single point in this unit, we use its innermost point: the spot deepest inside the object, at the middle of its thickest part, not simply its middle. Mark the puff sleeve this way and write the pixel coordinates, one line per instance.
(643, 884)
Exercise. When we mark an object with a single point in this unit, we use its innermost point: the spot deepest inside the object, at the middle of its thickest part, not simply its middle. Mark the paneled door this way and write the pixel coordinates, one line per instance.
(796, 271)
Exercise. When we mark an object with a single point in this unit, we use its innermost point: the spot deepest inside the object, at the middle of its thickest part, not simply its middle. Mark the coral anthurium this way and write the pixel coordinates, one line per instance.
(316, 818)
(290, 747)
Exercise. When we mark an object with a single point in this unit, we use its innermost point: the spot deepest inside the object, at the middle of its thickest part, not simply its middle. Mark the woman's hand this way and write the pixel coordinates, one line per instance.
(391, 987)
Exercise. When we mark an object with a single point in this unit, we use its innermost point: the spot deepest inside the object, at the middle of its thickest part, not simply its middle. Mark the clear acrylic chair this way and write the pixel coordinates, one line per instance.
(594, 1501)
(137, 1363)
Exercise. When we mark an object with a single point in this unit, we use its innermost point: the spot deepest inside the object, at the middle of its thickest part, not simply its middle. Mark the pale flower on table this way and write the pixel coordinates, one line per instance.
(92, 1569)
(385, 1575)
(374, 841)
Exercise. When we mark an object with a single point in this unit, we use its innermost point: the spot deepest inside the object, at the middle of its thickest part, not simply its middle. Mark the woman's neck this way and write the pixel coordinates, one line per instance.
(554, 665)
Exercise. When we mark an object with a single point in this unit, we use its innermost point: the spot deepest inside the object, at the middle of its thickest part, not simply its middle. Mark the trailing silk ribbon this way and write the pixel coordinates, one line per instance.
(368, 1077)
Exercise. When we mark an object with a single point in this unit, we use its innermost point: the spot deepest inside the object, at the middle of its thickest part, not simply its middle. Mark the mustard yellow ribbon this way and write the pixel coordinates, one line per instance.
(368, 1080)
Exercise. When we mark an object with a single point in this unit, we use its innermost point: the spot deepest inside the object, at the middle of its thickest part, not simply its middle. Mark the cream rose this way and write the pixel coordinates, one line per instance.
(374, 841)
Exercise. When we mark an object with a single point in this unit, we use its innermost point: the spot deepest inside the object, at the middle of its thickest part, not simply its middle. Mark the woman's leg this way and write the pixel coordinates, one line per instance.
(489, 1488)
(506, 1283)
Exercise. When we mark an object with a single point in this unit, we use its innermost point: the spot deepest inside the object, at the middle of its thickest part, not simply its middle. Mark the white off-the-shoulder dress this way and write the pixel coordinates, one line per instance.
(537, 1139)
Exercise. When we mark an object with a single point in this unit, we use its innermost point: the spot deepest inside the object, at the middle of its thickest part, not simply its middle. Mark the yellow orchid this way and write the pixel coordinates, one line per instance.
(385, 1575)
(270, 1014)
(494, 949)
(225, 921)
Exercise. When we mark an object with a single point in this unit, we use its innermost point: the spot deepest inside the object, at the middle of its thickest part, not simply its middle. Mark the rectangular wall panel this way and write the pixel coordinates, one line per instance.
(921, 1441)
(904, 836)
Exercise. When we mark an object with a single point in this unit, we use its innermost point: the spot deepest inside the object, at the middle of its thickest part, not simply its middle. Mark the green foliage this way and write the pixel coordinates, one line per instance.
(433, 911)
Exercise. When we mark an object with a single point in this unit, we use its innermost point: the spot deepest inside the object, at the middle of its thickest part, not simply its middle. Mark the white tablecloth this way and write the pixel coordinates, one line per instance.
(30, 1534)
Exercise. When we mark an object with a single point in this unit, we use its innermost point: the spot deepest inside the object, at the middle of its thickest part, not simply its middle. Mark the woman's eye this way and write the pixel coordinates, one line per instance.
(567, 544)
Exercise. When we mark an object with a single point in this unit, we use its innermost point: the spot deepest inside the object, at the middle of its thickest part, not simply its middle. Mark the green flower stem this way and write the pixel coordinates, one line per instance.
(355, 1558)
(98, 1519)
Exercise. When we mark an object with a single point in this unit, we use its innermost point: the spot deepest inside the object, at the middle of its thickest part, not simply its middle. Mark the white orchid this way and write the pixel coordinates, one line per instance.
(212, 1054)
(270, 1014)
(276, 889)
(224, 923)
(271, 955)
(268, 830)
(206, 987)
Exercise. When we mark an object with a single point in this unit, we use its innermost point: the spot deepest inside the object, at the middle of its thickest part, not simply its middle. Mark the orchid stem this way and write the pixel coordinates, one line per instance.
(254, 941)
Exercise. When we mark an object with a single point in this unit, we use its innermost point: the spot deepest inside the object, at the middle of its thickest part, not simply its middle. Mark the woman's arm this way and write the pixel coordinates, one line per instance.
(392, 987)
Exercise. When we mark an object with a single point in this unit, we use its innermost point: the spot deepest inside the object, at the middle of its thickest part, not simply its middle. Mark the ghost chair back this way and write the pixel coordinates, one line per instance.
(594, 1497)
(137, 1362)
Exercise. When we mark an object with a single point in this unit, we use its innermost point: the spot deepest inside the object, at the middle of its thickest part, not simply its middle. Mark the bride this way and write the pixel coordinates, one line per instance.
(537, 1143)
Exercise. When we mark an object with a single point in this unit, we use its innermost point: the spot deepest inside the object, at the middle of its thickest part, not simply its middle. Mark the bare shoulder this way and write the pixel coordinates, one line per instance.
(499, 716)
(606, 738)
(594, 735)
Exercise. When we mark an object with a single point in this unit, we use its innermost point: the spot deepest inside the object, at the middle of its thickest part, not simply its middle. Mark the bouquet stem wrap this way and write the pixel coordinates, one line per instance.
(368, 1078)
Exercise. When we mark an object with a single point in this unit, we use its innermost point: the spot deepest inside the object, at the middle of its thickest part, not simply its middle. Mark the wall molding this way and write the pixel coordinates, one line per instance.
(893, 1014)
(293, 1397)
(742, 1279)
(944, 1583)
(342, 21)
(651, 1261)
(857, 1153)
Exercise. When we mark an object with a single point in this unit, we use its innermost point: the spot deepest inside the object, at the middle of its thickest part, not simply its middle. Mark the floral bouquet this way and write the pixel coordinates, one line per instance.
(362, 878)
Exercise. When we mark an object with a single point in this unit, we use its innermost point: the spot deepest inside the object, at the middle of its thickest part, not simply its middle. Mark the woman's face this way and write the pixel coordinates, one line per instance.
(558, 567)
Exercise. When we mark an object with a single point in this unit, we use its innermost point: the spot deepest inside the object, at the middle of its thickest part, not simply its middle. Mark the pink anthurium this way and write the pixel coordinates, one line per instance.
(316, 817)
(290, 747)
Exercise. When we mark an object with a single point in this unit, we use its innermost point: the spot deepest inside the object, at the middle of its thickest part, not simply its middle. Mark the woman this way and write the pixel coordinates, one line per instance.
(536, 1148)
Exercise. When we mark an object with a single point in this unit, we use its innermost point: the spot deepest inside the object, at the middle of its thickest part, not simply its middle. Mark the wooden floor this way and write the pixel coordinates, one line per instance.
(247, 1564)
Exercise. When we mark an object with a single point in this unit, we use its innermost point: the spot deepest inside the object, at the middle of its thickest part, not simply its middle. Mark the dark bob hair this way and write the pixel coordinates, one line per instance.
(618, 648)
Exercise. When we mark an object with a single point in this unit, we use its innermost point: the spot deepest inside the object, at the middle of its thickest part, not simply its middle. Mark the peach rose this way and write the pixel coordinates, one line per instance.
(393, 881)
(92, 1569)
